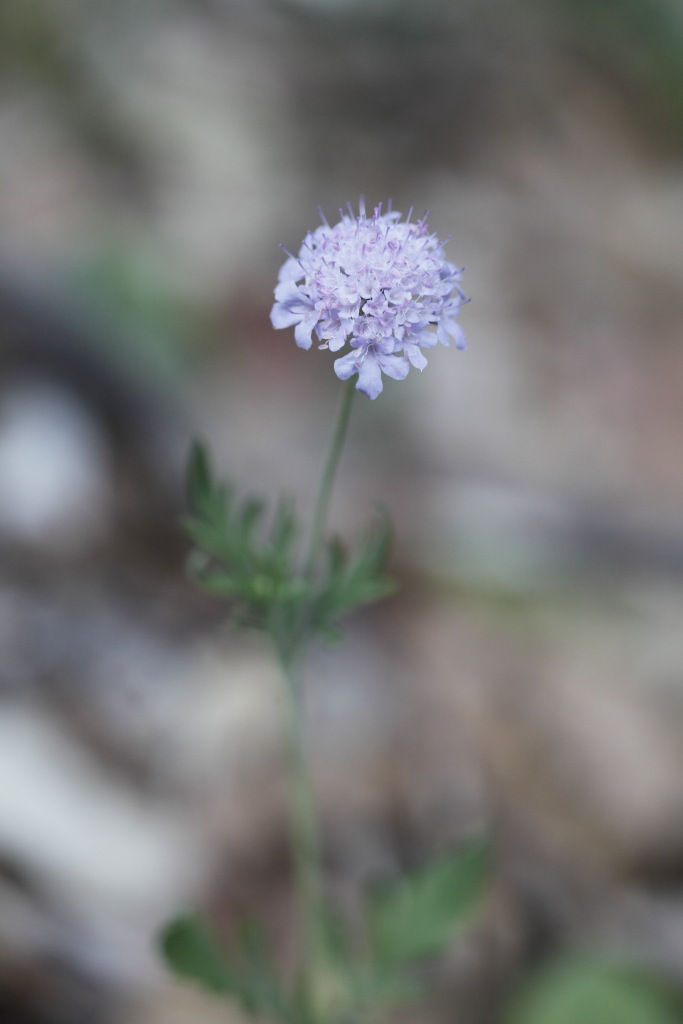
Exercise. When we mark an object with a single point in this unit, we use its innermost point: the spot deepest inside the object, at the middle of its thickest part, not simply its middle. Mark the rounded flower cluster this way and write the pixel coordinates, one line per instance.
(378, 283)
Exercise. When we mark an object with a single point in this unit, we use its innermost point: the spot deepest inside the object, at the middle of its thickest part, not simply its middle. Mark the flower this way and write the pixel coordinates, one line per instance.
(378, 283)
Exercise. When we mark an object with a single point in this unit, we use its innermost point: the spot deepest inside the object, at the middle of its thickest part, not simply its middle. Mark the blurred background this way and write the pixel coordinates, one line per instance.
(527, 680)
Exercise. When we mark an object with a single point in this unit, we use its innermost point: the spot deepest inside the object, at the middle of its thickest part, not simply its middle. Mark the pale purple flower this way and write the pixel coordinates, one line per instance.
(380, 285)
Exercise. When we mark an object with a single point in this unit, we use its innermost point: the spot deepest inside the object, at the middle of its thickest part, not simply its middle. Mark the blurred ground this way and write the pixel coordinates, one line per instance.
(528, 678)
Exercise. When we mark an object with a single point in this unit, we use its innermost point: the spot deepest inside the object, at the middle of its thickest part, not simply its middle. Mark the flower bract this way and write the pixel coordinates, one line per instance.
(377, 284)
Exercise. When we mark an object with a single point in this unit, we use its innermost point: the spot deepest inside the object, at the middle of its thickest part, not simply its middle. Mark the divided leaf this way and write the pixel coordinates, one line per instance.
(236, 556)
(254, 563)
(355, 580)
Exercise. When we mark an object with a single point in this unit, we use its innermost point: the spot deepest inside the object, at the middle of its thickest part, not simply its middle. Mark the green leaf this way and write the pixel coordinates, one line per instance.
(574, 992)
(377, 545)
(211, 539)
(221, 584)
(331, 635)
(337, 559)
(381, 988)
(191, 952)
(353, 581)
(283, 531)
(250, 513)
(367, 591)
(360, 986)
(247, 975)
(335, 937)
(259, 985)
(199, 476)
(236, 557)
(418, 916)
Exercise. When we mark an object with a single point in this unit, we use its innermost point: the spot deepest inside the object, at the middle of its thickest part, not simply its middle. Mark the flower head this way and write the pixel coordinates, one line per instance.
(380, 285)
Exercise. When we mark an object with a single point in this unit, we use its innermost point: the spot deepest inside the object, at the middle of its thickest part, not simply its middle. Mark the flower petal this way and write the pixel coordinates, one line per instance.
(394, 366)
(456, 332)
(303, 330)
(289, 292)
(425, 339)
(337, 339)
(347, 365)
(370, 376)
(291, 270)
(416, 356)
(282, 316)
(459, 335)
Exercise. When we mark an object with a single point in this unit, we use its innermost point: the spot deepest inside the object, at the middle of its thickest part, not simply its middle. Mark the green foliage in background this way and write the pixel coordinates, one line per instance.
(642, 42)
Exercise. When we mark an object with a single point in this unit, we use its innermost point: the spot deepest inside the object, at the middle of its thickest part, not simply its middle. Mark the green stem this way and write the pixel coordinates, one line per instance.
(327, 479)
(302, 812)
(304, 837)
